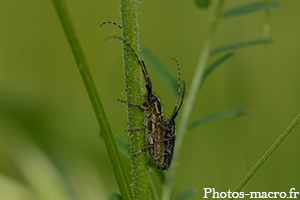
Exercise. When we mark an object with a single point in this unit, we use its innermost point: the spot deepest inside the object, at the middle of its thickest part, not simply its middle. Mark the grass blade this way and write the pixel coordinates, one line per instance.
(268, 153)
(186, 194)
(217, 116)
(249, 8)
(241, 44)
(215, 64)
(160, 70)
(110, 143)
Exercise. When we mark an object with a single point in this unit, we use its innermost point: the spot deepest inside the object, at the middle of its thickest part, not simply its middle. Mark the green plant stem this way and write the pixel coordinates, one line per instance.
(189, 102)
(113, 152)
(267, 154)
(140, 179)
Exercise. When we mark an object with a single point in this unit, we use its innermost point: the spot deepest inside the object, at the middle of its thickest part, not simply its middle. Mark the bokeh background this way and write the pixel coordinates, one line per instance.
(49, 138)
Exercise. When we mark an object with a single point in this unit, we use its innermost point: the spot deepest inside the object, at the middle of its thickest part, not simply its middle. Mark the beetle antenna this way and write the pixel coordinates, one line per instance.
(139, 59)
(110, 22)
(175, 112)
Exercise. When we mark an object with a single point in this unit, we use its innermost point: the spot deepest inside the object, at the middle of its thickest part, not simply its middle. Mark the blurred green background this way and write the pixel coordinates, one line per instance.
(49, 136)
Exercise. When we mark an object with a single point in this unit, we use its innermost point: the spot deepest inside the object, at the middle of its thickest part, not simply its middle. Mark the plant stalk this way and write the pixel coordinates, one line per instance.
(133, 82)
(190, 101)
(112, 149)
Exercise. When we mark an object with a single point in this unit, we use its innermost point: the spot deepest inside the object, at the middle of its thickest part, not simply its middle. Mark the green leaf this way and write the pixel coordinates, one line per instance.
(115, 196)
(249, 8)
(202, 4)
(215, 64)
(241, 44)
(186, 194)
(160, 70)
(217, 116)
(123, 146)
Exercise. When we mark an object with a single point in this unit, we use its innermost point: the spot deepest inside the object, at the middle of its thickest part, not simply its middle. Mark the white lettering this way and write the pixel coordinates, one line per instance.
(229, 193)
(235, 195)
(275, 194)
(242, 194)
(206, 192)
(292, 192)
(255, 195)
(223, 195)
(214, 192)
(269, 195)
(284, 194)
(264, 195)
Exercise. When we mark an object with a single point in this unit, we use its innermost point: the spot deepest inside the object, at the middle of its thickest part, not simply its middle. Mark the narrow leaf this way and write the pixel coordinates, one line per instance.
(202, 4)
(123, 146)
(217, 116)
(249, 8)
(268, 153)
(115, 196)
(241, 44)
(186, 194)
(160, 70)
(215, 64)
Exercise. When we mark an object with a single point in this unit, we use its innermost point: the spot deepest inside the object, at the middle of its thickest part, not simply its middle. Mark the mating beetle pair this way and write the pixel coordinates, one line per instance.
(161, 134)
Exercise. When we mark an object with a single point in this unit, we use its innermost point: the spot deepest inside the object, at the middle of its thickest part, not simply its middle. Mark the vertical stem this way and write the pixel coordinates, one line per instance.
(110, 143)
(190, 100)
(141, 189)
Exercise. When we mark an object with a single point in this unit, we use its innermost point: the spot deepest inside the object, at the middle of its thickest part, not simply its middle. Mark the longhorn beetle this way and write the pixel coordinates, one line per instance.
(153, 106)
(169, 128)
